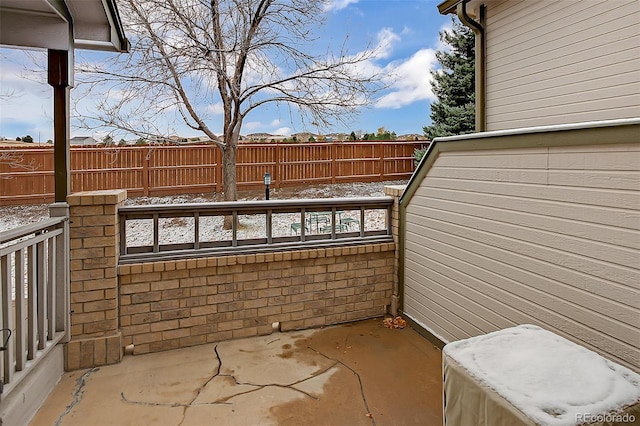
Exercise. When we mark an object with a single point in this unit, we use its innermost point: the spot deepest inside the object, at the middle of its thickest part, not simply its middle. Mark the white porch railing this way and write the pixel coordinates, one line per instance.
(34, 291)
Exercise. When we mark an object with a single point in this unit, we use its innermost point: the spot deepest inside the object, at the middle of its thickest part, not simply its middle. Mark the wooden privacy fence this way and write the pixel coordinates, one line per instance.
(26, 174)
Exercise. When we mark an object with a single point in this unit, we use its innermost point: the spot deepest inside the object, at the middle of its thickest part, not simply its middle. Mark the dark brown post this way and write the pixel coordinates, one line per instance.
(60, 63)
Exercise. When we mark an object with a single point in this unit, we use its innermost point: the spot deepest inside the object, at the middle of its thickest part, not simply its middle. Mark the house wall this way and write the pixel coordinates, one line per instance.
(538, 228)
(173, 304)
(553, 62)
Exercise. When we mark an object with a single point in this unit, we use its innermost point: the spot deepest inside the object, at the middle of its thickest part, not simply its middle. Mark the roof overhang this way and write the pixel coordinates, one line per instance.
(62, 25)
(449, 7)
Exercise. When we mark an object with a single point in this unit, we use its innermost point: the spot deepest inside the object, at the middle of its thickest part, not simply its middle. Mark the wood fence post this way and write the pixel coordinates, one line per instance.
(145, 170)
(333, 162)
(276, 171)
(381, 163)
(218, 169)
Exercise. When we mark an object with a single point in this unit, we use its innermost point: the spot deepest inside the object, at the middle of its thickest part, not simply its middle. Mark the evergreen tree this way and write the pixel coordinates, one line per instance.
(454, 85)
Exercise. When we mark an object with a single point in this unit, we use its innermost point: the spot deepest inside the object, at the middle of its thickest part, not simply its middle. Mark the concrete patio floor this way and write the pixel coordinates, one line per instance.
(352, 374)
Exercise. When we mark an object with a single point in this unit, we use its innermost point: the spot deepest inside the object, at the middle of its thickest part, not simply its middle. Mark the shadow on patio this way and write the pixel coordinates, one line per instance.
(353, 374)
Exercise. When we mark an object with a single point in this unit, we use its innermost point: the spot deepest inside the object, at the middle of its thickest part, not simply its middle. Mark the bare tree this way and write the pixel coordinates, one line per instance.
(15, 160)
(191, 57)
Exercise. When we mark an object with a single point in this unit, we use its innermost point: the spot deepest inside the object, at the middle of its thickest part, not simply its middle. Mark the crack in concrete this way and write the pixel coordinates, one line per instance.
(186, 405)
(364, 398)
(78, 392)
(226, 400)
(201, 388)
(262, 386)
(167, 404)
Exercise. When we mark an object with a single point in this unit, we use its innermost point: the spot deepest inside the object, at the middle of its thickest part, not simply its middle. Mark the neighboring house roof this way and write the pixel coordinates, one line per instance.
(412, 137)
(83, 140)
(337, 136)
(304, 135)
(260, 135)
(94, 24)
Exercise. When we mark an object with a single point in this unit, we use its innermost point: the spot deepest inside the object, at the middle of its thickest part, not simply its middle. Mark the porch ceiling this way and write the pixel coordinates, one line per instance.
(62, 25)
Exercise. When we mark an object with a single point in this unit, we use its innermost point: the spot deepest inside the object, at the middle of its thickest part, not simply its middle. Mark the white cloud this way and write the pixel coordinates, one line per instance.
(412, 80)
(282, 131)
(387, 40)
(251, 125)
(408, 79)
(335, 5)
(216, 108)
(275, 123)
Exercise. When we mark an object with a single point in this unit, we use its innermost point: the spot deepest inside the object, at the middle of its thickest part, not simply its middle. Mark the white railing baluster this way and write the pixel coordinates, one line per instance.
(32, 296)
(42, 296)
(21, 317)
(3, 308)
(51, 288)
(7, 318)
(62, 290)
(30, 306)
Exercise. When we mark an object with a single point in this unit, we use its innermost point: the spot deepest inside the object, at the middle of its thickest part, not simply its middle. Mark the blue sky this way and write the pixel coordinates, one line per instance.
(408, 29)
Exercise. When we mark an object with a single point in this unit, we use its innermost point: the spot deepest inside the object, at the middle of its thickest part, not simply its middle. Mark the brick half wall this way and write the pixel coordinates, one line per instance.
(179, 303)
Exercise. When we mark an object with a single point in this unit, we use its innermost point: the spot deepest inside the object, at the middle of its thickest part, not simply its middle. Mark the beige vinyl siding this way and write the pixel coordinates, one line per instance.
(554, 62)
(548, 235)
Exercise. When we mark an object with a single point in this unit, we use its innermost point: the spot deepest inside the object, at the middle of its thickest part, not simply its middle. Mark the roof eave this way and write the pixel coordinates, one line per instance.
(448, 7)
(122, 42)
(54, 24)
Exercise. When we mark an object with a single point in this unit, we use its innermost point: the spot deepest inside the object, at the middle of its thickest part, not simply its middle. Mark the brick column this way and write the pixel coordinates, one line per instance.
(94, 241)
(395, 191)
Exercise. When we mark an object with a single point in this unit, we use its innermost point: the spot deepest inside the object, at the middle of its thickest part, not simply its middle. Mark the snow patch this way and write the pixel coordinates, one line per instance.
(549, 378)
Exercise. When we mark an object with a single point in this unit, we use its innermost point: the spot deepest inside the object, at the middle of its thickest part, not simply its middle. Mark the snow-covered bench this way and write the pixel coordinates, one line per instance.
(526, 375)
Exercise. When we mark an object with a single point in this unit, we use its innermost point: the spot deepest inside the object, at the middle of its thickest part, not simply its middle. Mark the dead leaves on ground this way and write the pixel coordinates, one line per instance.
(396, 322)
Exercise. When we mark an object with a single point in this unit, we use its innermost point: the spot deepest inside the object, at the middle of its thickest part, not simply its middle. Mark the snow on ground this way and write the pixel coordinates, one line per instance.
(15, 216)
(549, 378)
(177, 230)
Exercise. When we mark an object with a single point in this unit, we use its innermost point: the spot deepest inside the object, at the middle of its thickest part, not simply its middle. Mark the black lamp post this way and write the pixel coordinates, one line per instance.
(267, 182)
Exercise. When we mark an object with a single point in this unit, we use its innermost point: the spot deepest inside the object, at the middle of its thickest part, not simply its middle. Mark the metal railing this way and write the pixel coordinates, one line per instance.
(165, 232)
(34, 292)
